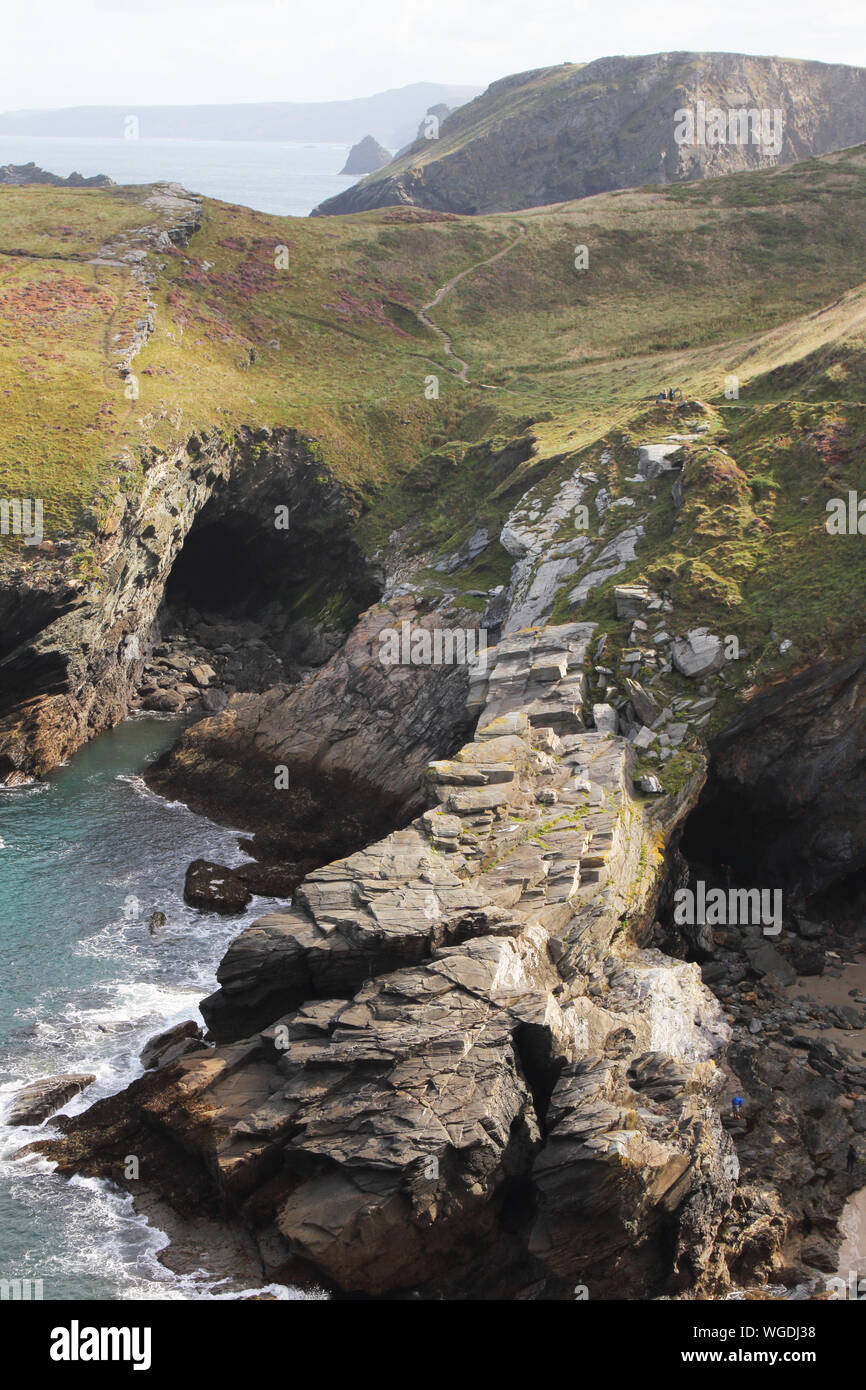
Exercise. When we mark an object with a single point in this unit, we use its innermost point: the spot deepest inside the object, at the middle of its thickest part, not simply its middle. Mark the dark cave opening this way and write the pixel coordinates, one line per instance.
(262, 603)
(743, 843)
(230, 567)
(730, 831)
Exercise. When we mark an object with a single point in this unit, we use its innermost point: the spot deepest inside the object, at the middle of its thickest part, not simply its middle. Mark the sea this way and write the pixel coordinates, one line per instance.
(287, 178)
(86, 857)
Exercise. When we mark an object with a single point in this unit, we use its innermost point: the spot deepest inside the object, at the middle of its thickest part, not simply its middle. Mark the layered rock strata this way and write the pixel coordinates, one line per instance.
(451, 1068)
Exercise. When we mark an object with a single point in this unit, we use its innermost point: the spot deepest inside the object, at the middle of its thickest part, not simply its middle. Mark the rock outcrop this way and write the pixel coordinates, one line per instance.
(366, 157)
(451, 1067)
(22, 174)
(36, 1101)
(353, 739)
(568, 132)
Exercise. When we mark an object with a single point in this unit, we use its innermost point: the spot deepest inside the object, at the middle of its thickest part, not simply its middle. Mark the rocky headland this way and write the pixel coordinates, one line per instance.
(482, 1054)
(580, 129)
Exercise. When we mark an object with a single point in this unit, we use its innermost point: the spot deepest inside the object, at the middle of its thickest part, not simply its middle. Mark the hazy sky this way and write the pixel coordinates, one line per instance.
(138, 52)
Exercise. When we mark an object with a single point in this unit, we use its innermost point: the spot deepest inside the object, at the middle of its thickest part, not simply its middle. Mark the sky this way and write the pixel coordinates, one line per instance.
(148, 52)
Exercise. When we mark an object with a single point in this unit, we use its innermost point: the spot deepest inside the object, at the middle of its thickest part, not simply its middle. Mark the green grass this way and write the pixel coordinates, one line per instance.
(759, 275)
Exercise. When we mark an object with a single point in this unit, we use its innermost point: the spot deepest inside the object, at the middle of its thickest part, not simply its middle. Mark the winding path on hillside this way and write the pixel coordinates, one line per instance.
(445, 289)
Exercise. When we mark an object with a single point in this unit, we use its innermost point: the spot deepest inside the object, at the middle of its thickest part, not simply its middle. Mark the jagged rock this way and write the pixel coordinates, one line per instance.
(698, 653)
(166, 1047)
(646, 707)
(419, 1009)
(612, 558)
(214, 888)
(36, 1101)
(31, 173)
(366, 157)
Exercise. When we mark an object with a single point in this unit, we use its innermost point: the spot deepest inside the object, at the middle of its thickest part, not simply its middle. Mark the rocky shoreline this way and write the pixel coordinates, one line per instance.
(478, 1057)
(462, 1035)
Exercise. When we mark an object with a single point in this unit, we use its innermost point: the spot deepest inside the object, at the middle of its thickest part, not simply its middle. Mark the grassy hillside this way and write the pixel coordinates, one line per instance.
(758, 275)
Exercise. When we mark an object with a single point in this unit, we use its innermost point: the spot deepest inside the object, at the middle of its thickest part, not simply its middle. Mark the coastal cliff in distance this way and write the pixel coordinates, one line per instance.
(22, 174)
(392, 117)
(572, 131)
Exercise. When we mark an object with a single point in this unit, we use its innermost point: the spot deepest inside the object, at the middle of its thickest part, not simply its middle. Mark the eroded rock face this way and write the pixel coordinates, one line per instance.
(456, 1032)
(791, 764)
(354, 739)
(73, 653)
(35, 1102)
(554, 134)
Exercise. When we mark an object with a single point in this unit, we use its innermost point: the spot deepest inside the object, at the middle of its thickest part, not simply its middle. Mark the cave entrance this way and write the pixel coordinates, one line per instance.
(225, 570)
(739, 842)
(258, 602)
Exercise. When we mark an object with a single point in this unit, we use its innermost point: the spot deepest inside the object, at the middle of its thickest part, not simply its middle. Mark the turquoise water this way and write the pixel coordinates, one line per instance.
(283, 177)
(85, 858)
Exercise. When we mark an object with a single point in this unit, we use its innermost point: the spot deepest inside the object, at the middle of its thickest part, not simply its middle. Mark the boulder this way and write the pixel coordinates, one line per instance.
(605, 718)
(650, 785)
(214, 701)
(807, 957)
(215, 888)
(699, 653)
(646, 707)
(631, 599)
(165, 702)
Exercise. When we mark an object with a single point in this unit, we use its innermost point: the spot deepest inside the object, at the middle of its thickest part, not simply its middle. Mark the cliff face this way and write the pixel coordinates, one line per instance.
(569, 132)
(73, 652)
(450, 1067)
(458, 1065)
